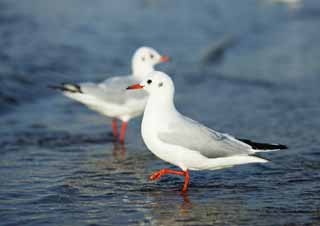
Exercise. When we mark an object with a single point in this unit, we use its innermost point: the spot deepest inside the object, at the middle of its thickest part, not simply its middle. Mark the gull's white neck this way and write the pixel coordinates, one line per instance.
(140, 70)
(159, 111)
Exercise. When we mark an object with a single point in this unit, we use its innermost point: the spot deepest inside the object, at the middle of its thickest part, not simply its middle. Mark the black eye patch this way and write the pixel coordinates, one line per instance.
(151, 55)
(160, 84)
(149, 81)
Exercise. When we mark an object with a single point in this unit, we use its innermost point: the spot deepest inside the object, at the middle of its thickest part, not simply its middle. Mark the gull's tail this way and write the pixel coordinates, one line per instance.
(65, 87)
(230, 161)
(263, 147)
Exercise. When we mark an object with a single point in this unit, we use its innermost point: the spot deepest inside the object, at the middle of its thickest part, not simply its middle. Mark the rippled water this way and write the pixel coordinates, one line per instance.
(58, 164)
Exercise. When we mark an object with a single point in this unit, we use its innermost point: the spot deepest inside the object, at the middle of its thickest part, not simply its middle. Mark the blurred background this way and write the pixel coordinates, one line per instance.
(249, 68)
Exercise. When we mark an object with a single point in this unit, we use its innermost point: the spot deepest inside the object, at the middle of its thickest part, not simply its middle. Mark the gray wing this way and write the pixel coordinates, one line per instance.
(113, 90)
(192, 135)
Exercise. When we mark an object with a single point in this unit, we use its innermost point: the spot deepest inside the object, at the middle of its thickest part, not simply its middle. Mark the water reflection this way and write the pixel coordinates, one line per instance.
(186, 204)
(119, 151)
(174, 209)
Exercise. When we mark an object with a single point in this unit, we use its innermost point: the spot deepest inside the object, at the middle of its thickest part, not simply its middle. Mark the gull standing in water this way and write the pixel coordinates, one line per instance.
(185, 143)
(109, 98)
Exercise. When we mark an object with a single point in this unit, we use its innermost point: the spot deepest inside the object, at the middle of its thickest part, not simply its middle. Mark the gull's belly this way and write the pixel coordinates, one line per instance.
(129, 109)
(176, 155)
(163, 152)
(153, 143)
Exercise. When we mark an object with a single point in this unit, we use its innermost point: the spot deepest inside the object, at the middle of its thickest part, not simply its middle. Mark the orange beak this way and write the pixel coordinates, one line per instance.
(164, 59)
(135, 86)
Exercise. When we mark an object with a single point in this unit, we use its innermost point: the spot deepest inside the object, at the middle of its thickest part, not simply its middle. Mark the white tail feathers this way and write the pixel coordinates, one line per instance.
(225, 162)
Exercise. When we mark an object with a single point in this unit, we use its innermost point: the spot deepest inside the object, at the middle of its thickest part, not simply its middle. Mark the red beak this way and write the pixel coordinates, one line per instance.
(164, 59)
(135, 86)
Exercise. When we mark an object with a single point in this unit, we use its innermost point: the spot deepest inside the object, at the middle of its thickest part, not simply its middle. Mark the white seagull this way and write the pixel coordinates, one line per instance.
(109, 98)
(185, 143)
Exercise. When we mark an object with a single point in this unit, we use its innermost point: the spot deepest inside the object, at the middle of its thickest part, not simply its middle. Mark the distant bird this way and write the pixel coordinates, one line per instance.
(293, 4)
(215, 52)
(185, 143)
(109, 97)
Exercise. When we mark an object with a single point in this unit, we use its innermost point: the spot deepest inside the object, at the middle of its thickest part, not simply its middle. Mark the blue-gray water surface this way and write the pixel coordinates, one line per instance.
(58, 164)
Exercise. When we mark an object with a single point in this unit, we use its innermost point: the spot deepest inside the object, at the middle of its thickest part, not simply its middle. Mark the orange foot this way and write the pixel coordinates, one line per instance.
(157, 175)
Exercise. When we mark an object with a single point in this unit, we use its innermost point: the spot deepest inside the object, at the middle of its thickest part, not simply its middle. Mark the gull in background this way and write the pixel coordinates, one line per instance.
(109, 97)
(184, 142)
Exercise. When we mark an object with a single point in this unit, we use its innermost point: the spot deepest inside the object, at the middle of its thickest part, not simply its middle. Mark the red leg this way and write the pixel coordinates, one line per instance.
(157, 175)
(123, 132)
(115, 128)
(186, 181)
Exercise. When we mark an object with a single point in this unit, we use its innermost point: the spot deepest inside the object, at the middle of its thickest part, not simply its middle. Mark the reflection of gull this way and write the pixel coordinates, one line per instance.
(186, 204)
(119, 150)
(173, 209)
(108, 97)
(186, 143)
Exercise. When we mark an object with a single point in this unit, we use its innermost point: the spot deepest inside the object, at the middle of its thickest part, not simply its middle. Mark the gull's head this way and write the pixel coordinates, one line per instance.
(156, 83)
(144, 60)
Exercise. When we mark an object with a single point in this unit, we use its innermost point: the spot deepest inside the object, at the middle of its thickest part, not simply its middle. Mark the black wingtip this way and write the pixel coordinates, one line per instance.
(72, 88)
(263, 146)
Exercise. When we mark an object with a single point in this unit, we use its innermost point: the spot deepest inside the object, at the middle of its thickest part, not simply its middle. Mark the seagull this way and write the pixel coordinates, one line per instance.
(184, 142)
(108, 97)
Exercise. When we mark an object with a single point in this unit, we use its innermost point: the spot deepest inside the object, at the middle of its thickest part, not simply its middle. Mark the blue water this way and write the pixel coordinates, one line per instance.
(58, 165)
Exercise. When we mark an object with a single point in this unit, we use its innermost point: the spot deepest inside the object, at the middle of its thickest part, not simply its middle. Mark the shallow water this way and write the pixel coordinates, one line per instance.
(58, 163)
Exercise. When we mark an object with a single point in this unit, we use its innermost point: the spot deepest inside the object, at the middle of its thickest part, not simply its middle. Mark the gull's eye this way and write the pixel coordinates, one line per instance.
(151, 56)
(149, 81)
(143, 59)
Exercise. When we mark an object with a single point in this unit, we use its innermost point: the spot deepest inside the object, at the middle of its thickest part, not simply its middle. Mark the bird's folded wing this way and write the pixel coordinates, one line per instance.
(192, 135)
(113, 90)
